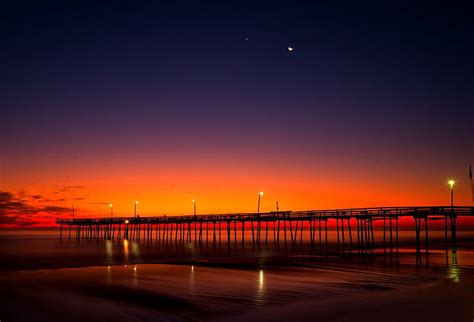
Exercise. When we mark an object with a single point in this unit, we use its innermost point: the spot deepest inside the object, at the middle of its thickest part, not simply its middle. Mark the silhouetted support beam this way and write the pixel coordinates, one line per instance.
(274, 231)
(220, 234)
(453, 232)
(278, 230)
(177, 226)
(296, 232)
(195, 229)
(190, 232)
(391, 235)
(320, 235)
(446, 231)
(359, 246)
(326, 233)
(174, 230)
(314, 231)
(200, 231)
(235, 233)
(214, 239)
(342, 234)
(372, 234)
(350, 233)
(384, 237)
(228, 233)
(367, 223)
(426, 235)
(253, 233)
(266, 232)
(301, 232)
(396, 229)
(417, 234)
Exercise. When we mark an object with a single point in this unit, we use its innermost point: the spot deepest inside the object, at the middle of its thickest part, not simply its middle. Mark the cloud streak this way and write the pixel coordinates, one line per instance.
(17, 210)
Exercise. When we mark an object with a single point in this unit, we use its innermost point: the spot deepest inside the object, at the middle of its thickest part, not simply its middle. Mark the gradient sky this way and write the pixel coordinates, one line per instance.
(168, 101)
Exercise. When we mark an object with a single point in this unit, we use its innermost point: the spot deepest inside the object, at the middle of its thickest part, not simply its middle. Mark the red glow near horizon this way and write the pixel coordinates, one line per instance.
(225, 189)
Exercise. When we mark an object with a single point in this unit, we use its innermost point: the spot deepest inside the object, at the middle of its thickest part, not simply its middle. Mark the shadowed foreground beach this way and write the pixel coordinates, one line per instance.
(45, 279)
(186, 292)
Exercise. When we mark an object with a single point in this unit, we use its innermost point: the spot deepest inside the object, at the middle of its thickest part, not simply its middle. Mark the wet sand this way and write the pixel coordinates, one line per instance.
(436, 301)
(182, 293)
(45, 279)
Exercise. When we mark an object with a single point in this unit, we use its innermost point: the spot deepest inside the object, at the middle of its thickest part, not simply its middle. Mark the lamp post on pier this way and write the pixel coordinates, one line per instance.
(451, 183)
(260, 194)
(136, 204)
(194, 205)
(111, 210)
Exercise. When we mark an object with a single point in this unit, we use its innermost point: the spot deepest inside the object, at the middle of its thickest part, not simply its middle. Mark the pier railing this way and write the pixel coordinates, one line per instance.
(349, 213)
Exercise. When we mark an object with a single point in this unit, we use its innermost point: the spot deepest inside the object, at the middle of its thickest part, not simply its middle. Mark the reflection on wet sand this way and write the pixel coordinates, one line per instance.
(182, 292)
(209, 282)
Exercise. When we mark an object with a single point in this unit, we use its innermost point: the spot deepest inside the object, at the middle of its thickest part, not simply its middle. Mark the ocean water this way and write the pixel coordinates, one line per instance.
(51, 279)
(37, 249)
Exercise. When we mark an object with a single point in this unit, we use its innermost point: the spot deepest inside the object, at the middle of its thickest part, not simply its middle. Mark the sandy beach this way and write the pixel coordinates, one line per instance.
(187, 292)
(437, 301)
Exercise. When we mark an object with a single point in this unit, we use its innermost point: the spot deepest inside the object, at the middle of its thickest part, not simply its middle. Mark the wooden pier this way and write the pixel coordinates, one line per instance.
(353, 228)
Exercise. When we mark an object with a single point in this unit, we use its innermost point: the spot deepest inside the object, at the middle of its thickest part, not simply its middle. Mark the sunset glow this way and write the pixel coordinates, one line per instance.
(247, 116)
(236, 161)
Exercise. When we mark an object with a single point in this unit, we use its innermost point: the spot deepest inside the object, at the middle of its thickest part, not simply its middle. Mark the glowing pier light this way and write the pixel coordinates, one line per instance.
(451, 183)
(136, 205)
(260, 194)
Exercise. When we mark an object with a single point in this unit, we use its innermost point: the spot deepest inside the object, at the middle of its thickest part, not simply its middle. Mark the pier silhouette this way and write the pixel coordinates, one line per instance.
(353, 228)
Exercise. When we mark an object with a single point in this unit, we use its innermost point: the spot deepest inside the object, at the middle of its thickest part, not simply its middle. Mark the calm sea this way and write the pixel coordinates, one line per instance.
(37, 249)
(49, 279)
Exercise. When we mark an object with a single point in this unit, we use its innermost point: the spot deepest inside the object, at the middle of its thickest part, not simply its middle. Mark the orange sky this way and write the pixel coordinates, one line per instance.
(219, 187)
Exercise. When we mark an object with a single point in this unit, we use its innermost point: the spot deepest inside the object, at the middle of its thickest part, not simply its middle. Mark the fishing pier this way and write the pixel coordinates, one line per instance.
(353, 229)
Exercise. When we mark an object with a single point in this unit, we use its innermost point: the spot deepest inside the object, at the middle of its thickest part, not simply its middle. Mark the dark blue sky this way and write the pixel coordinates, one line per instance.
(368, 84)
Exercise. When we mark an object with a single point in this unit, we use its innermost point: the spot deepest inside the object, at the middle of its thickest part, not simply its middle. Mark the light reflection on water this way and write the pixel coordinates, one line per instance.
(109, 276)
(109, 249)
(135, 276)
(453, 271)
(260, 289)
(125, 250)
(24, 253)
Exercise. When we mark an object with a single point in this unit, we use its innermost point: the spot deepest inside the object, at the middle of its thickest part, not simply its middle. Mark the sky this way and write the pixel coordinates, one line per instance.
(169, 101)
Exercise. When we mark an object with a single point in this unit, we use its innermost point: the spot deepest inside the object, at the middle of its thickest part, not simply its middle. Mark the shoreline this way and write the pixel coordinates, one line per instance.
(441, 300)
(284, 293)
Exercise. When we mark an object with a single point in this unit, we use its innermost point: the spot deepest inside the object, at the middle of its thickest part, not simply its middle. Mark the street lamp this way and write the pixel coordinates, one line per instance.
(136, 204)
(451, 184)
(260, 194)
(73, 211)
(111, 210)
(194, 204)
